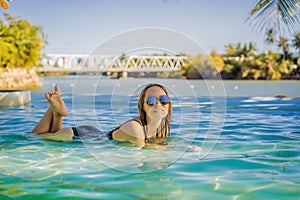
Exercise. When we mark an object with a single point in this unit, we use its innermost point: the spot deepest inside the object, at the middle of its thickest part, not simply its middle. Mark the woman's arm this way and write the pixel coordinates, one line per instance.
(132, 132)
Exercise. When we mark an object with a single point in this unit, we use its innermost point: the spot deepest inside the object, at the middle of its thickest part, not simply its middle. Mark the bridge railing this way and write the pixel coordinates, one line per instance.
(112, 63)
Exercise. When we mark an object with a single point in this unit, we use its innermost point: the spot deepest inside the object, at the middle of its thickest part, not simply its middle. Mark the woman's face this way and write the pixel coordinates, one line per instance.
(157, 111)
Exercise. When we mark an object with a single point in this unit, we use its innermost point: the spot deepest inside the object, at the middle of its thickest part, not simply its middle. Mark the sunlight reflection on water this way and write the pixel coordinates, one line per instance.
(256, 156)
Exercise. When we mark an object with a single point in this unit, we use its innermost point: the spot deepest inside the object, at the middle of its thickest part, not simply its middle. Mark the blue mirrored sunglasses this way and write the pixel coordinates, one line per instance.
(164, 100)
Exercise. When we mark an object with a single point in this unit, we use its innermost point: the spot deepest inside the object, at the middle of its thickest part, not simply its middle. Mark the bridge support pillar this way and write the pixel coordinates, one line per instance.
(122, 74)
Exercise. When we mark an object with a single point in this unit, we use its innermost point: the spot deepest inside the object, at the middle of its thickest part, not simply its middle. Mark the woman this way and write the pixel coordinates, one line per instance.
(151, 126)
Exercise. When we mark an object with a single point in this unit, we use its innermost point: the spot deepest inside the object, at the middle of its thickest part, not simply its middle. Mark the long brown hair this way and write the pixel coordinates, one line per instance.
(165, 125)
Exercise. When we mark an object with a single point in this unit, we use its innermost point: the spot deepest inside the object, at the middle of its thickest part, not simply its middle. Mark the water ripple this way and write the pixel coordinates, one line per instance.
(256, 155)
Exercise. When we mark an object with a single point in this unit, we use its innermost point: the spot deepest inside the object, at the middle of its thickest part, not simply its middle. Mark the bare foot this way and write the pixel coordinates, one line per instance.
(57, 103)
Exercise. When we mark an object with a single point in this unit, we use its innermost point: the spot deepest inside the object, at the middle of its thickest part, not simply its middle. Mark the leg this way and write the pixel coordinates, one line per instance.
(56, 123)
(52, 120)
(59, 109)
(50, 126)
(65, 134)
(44, 124)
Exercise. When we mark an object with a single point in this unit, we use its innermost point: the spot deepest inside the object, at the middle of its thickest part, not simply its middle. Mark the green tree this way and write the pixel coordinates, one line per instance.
(264, 66)
(200, 67)
(296, 44)
(270, 39)
(231, 71)
(217, 60)
(296, 41)
(230, 50)
(283, 43)
(21, 43)
(251, 49)
(285, 68)
(189, 70)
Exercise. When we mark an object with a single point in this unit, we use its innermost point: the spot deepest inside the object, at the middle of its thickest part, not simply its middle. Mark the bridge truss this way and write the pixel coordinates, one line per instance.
(111, 63)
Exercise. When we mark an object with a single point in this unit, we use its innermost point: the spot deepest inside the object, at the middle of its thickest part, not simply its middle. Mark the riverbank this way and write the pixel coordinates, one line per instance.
(19, 78)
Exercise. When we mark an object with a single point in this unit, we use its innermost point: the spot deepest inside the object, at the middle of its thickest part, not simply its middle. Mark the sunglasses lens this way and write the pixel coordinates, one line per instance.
(151, 101)
(164, 99)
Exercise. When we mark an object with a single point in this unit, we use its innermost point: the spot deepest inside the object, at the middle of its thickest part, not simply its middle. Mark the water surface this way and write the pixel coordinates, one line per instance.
(256, 153)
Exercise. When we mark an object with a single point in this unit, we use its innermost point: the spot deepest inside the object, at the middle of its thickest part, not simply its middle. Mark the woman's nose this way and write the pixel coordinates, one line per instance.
(158, 103)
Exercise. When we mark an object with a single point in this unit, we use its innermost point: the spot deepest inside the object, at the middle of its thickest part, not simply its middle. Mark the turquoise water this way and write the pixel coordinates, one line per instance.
(255, 140)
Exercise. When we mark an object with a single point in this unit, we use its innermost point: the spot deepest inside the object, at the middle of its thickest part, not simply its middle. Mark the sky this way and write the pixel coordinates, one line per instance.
(80, 26)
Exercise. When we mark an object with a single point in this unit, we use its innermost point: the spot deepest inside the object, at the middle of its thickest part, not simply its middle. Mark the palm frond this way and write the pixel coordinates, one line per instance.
(283, 16)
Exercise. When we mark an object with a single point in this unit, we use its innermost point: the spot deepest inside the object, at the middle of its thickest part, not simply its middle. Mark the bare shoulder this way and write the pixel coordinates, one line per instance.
(134, 129)
(131, 131)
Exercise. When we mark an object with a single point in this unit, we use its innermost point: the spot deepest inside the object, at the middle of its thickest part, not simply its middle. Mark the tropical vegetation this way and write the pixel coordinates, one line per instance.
(242, 62)
(282, 16)
(278, 20)
(21, 43)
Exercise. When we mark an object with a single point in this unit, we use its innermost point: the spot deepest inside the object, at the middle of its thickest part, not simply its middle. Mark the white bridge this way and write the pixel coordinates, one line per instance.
(110, 63)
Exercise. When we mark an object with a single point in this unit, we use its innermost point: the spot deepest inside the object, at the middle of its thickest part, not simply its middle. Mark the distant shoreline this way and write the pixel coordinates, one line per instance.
(102, 85)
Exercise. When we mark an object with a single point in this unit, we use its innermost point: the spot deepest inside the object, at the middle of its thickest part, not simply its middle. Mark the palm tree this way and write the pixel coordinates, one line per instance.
(270, 39)
(280, 15)
(249, 49)
(230, 50)
(283, 43)
(265, 66)
(296, 41)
